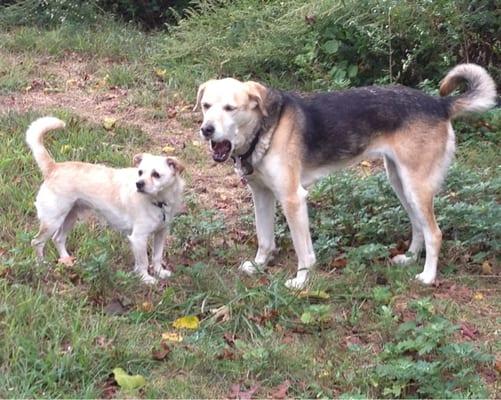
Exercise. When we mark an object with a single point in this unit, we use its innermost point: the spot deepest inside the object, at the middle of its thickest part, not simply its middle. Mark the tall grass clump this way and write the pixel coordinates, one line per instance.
(320, 44)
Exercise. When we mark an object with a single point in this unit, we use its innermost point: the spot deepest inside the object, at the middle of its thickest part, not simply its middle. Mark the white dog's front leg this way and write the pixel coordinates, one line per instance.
(139, 242)
(264, 209)
(296, 213)
(158, 251)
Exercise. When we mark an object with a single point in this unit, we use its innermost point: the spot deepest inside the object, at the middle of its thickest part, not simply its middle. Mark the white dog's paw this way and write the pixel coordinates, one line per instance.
(148, 279)
(248, 267)
(426, 279)
(296, 283)
(402, 259)
(163, 273)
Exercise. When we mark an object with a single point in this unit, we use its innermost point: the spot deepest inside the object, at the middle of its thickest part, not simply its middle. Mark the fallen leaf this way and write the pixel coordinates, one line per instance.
(68, 261)
(478, 296)
(109, 123)
(229, 338)
(196, 143)
(487, 268)
(497, 366)
(187, 322)
(160, 72)
(227, 354)
(168, 149)
(115, 307)
(468, 331)
(161, 353)
(65, 149)
(171, 112)
(172, 337)
(146, 306)
(221, 314)
(102, 342)
(128, 382)
(237, 393)
(339, 262)
(280, 392)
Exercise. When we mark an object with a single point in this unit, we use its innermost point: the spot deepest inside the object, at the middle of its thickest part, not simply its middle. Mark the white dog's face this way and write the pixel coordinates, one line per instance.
(155, 173)
(231, 111)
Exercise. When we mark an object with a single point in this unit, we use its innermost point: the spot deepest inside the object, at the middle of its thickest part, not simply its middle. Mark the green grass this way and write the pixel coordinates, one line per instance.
(52, 323)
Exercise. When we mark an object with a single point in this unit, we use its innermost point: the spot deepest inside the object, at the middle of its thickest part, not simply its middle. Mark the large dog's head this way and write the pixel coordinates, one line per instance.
(232, 110)
(156, 173)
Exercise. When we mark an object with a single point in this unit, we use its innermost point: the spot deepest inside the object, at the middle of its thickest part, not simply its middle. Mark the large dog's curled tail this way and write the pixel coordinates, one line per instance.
(34, 138)
(480, 94)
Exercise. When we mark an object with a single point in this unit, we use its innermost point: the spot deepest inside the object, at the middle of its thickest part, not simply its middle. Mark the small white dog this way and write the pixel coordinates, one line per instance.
(138, 201)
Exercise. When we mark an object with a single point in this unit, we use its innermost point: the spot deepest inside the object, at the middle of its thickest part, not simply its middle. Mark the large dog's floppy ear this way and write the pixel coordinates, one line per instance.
(200, 93)
(173, 162)
(136, 160)
(257, 93)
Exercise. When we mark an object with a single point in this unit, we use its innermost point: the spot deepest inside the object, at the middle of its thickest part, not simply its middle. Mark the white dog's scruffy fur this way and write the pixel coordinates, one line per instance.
(138, 201)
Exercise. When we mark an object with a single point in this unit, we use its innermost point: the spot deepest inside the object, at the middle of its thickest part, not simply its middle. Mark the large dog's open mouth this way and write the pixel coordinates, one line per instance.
(220, 150)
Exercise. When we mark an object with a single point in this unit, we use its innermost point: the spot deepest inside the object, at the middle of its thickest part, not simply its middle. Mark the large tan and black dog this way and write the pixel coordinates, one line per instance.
(283, 142)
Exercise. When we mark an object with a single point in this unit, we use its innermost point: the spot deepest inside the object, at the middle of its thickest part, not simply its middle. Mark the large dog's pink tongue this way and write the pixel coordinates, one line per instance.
(221, 150)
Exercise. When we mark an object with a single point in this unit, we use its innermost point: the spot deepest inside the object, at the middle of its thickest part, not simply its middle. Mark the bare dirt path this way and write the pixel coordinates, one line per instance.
(73, 84)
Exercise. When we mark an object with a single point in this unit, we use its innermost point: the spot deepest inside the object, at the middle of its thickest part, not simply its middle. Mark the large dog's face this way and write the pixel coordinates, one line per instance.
(155, 173)
(231, 110)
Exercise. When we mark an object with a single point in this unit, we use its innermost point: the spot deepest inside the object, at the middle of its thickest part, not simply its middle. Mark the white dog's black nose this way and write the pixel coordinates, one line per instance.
(207, 130)
(140, 185)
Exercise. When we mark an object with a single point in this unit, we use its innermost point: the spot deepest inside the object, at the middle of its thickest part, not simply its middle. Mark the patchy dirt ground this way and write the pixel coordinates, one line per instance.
(75, 84)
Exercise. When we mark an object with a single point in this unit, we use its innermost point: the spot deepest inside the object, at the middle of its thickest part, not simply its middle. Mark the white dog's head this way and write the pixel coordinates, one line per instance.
(231, 110)
(156, 173)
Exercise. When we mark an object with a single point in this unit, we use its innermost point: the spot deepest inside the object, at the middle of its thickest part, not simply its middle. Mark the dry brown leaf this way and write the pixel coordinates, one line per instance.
(161, 353)
(280, 392)
(487, 268)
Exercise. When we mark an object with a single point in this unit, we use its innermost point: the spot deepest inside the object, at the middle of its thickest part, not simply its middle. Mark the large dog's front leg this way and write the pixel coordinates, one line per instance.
(139, 242)
(264, 208)
(296, 212)
(158, 251)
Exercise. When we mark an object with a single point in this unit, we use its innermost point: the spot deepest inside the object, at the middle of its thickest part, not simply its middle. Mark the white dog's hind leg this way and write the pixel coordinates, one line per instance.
(59, 238)
(296, 213)
(264, 209)
(158, 251)
(139, 243)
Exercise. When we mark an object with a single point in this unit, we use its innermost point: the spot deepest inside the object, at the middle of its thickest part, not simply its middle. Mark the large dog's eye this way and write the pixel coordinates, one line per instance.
(140, 172)
(206, 106)
(155, 174)
(229, 107)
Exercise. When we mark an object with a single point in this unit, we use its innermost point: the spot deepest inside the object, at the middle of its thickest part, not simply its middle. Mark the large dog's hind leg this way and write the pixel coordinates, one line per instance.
(417, 234)
(296, 213)
(264, 208)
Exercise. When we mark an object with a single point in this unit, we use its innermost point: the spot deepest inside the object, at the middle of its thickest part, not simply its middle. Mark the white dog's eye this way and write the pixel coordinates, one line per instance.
(229, 107)
(140, 172)
(206, 106)
(155, 174)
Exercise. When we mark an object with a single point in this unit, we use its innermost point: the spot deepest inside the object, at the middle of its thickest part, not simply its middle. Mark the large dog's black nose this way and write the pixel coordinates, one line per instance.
(207, 130)
(140, 185)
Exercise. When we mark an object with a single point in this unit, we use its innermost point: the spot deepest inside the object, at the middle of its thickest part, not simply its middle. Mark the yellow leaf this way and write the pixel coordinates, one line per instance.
(487, 268)
(478, 296)
(172, 337)
(147, 306)
(168, 149)
(109, 123)
(65, 148)
(128, 382)
(160, 72)
(188, 322)
(196, 143)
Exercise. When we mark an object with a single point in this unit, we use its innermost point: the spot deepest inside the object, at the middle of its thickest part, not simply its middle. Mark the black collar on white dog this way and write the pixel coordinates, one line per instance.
(161, 205)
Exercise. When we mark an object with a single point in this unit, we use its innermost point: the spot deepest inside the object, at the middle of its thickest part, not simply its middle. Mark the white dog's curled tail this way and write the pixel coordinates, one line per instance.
(481, 92)
(34, 138)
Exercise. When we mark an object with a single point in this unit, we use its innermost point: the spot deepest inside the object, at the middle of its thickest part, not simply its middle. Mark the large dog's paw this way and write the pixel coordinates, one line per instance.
(249, 268)
(402, 259)
(426, 279)
(162, 271)
(296, 283)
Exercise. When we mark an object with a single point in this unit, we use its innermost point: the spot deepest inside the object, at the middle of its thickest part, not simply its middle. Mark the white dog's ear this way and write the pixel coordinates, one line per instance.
(257, 92)
(136, 160)
(200, 93)
(173, 162)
